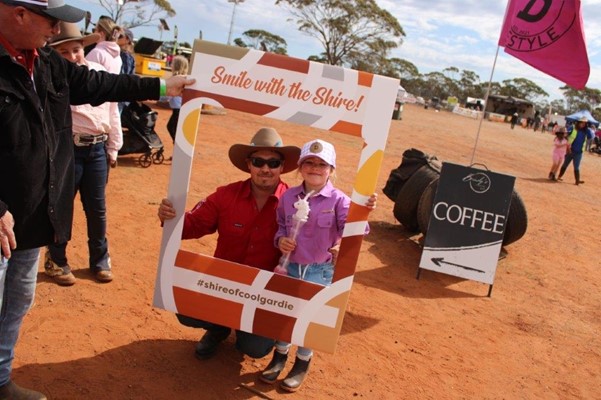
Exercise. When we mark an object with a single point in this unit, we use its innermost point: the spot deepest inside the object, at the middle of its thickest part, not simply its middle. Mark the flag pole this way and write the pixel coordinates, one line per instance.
(485, 104)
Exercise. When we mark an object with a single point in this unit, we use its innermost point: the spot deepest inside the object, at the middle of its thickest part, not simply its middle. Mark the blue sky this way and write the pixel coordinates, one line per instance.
(439, 33)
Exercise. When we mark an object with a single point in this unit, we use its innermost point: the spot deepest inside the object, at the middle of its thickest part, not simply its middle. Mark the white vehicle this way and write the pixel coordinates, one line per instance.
(404, 96)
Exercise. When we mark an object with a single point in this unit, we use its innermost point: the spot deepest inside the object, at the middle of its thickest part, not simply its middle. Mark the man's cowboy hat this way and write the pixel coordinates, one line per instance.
(53, 8)
(264, 139)
(70, 32)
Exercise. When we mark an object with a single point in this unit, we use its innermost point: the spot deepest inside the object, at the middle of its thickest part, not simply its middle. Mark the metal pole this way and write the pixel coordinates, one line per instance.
(229, 36)
(485, 105)
(174, 52)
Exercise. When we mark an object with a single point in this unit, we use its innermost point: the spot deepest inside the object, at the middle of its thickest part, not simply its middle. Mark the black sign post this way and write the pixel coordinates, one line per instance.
(467, 224)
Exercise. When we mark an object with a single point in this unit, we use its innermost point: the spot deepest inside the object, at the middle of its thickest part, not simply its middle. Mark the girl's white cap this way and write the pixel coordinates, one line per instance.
(318, 148)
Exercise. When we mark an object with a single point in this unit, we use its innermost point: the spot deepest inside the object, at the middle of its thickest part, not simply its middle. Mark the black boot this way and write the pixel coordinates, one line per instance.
(13, 391)
(296, 376)
(577, 177)
(562, 171)
(275, 367)
(207, 345)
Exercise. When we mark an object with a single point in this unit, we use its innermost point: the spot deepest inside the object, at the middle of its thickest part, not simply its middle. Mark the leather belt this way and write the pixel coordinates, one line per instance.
(81, 139)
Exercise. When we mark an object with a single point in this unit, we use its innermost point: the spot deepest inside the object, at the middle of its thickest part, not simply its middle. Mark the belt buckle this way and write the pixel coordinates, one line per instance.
(77, 140)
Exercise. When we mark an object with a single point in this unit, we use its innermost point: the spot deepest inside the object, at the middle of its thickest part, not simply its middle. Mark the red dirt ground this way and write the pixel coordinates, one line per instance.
(436, 338)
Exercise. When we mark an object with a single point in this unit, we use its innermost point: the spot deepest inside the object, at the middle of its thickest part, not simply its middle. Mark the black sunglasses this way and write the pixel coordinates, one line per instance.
(260, 162)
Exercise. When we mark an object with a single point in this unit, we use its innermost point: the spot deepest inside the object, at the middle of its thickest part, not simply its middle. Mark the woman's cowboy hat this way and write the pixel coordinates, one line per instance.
(264, 139)
(69, 32)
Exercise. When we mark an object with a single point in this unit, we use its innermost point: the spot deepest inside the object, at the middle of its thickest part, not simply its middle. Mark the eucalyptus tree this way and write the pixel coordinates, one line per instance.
(134, 13)
(523, 88)
(585, 99)
(262, 40)
(345, 28)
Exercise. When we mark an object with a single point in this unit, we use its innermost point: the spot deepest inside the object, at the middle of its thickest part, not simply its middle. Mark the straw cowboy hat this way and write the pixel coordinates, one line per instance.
(264, 139)
(70, 32)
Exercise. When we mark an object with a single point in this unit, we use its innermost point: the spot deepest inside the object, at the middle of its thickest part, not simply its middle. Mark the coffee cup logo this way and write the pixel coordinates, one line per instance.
(479, 182)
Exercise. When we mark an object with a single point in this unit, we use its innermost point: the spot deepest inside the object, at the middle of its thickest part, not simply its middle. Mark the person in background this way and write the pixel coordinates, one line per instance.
(36, 147)
(243, 214)
(97, 139)
(312, 255)
(589, 140)
(178, 67)
(107, 52)
(89, 47)
(125, 40)
(560, 148)
(514, 120)
(577, 139)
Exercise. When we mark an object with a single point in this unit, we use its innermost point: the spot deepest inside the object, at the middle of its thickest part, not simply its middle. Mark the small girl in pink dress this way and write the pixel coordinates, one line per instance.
(560, 148)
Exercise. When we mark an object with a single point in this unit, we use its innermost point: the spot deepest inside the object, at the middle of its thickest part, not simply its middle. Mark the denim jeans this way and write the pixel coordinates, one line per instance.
(316, 273)
(91, 173)
(577, 157)
(19, 292)
(252, 345)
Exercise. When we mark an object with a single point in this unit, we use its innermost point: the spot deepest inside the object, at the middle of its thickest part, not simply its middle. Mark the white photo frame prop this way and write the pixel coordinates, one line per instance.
(300, 92)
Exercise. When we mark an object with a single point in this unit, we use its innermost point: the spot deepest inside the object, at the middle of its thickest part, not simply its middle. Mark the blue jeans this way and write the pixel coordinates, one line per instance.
(91, 173)
(252, 345)
(576, 157)
(316, 273)
(19, 292)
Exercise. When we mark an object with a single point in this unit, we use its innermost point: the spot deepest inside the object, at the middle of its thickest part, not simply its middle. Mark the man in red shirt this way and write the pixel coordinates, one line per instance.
(244, 215)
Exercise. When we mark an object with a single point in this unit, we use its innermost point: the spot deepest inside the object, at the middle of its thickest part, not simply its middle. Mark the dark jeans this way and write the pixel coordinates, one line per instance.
(172, 123)
(91, 173)
(252, 345)
(576, 157)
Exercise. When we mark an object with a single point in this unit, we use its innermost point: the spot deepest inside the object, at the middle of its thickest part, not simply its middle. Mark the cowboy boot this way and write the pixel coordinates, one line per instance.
(12, 391)
(296, 376)
(577, 177)
(274, 368)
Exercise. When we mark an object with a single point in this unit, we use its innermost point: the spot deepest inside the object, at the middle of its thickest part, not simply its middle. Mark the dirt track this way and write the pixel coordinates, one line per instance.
(436, 338)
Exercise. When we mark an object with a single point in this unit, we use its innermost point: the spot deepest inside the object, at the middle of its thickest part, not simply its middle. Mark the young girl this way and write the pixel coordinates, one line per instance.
(313, 254)
(560, 147)
(179, 66)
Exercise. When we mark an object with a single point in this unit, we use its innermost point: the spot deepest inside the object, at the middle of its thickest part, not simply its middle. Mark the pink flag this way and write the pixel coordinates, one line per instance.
(548, 35)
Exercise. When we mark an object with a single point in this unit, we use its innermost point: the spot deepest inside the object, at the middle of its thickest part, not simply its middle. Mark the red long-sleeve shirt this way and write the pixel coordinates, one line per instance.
(245, 233)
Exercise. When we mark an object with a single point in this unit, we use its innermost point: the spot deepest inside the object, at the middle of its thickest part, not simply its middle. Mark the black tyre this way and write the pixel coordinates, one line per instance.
(517, 220)
(145, 160)
(424, 207)
(405, 205)
(158, 157)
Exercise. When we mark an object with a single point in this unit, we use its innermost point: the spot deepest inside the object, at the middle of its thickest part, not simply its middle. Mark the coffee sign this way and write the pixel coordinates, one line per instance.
(467, 224)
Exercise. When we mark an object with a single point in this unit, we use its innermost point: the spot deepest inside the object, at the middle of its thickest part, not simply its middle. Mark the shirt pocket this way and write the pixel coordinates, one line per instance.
(232, 231)
(58, 102)
(325, 220)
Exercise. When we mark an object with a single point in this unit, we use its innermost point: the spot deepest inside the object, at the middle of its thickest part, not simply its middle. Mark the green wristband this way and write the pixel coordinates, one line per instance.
(163, 91)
